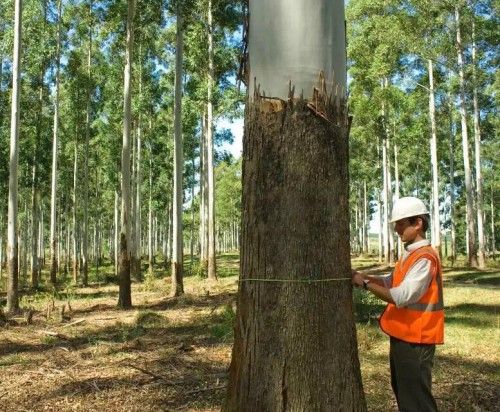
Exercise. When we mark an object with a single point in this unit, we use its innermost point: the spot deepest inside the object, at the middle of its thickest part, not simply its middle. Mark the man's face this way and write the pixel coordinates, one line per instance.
(406, 231)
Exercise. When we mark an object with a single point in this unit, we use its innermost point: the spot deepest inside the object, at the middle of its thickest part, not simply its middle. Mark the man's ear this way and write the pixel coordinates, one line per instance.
(419, 223)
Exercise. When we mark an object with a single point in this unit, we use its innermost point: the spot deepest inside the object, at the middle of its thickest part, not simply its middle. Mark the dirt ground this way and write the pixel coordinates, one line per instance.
(173, 354)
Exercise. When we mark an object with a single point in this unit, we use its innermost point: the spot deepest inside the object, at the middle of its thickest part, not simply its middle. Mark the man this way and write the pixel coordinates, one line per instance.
(414, 317)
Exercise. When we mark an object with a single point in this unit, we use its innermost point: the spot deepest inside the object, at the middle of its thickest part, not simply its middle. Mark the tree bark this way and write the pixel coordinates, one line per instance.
(55, 143)
(177, 287)
(434, 161)
(481, 257)
(12, 222)
(212, 271)
(295, 343)
(85, 235)
(471, 232)
(125, 292)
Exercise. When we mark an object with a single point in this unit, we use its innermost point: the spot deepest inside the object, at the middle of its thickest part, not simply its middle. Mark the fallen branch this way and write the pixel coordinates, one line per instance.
(211, 388)
(51, 333)
(174, 383)
(76, 322)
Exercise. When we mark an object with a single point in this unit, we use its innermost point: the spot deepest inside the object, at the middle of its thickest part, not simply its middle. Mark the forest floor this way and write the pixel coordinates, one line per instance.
(173, 354)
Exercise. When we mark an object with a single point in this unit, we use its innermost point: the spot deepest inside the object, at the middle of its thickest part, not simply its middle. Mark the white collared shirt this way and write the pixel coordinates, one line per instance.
(416, 281)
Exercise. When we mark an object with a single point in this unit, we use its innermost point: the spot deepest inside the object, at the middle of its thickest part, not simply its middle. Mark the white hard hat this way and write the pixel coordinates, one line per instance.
(407, 207)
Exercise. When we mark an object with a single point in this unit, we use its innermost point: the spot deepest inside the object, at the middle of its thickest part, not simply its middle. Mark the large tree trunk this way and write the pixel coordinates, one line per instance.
(177, 249)
(434, 161)
(125, 292)
(477, 145)
(12, 245)
(55, 143)
(295, 343)
(212, 274)
(471, 232)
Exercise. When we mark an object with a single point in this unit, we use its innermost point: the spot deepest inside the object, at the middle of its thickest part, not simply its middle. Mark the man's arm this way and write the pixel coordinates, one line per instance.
(375, 285)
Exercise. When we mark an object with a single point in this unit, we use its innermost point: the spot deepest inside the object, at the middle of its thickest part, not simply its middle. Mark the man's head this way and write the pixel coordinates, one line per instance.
(411, 219)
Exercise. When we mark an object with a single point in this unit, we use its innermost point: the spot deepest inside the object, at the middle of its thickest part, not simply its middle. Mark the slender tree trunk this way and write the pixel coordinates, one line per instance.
(295, 343)
(35, 200)
(55, 143)
(212, 271)
(12, 232)
(471, 232)
(177, 252)
(380, 229)
(75, 206)
(493, 238)
(125, 292)
(434, 161)
(397, 194)
(477, 145)
(150, 214)
(138, 198)
(116, 233)
(385, 200)
(85, 265)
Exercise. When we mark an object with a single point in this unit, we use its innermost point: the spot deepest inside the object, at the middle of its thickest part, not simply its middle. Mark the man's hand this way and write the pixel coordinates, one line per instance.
(357, 278)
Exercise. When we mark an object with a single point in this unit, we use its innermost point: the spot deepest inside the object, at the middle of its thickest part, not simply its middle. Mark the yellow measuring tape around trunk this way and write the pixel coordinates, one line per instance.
(293, 280)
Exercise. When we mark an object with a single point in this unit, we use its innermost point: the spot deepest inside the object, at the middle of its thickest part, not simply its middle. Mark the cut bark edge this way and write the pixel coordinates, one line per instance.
(331, 105)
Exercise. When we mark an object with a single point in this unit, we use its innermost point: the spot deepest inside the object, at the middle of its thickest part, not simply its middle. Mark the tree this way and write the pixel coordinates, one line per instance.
(471, 232)
(212, 274)
(295, 342)
(177, 250)
(12, 233)
(55, 144)
(125, 296)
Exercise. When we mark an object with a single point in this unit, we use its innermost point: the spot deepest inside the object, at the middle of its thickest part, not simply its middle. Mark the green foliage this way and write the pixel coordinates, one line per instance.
(223, 326)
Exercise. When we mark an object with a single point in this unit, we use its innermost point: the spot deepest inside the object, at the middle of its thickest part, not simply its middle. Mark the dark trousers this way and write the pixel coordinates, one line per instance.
(411, 375)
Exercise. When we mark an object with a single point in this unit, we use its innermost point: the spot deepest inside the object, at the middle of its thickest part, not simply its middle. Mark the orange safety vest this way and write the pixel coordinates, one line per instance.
(423, 321)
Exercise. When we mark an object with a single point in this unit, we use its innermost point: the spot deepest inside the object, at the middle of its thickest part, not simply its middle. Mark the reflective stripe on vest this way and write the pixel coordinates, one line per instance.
(431, 307)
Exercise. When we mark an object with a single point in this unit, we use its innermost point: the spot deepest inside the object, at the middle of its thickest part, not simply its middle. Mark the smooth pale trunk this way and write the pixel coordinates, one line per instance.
(177, 287)
(138, 199)
(390, 233)
(125, 292)
(84, 266)
(397, 195)
(55, 143)
(380, 230)
(477, 149)
(493, 238)
(471, 232)
(385, 200)
(434, 161)
(452, 184)
(365, 219)
(75, 222)
(150, 214)
(12, 218)
(116, 233)
(212, 271)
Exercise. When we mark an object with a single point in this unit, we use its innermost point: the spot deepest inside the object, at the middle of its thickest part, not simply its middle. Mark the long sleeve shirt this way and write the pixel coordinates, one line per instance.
(416, 281)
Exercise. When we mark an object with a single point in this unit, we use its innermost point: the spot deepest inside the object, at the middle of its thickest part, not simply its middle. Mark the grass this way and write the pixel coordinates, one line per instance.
(173, 354)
